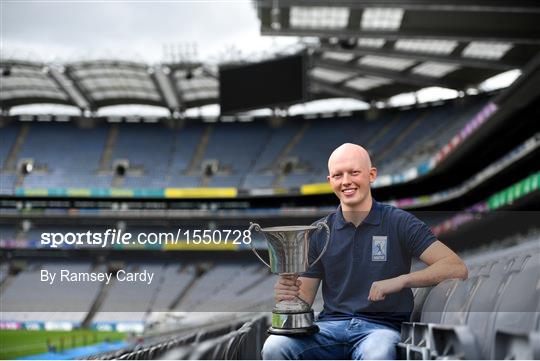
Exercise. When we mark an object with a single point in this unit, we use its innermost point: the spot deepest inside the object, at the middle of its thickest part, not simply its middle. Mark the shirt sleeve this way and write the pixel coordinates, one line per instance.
(315, 247)
(416, 234)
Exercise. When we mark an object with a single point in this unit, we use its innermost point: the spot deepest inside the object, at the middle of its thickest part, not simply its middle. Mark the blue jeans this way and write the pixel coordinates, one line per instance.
(354, 339)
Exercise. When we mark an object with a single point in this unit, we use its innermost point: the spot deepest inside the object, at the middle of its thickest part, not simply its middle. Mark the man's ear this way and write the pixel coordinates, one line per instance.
(328, 178)
(372, 174)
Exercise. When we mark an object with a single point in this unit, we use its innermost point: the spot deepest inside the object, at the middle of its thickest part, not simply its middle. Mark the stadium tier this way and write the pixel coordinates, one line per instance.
(22, 296)
(471, 315)
(246, 155)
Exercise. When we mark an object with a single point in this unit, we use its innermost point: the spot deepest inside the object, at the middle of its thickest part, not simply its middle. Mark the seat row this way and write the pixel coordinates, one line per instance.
(235, 340)
(493, 314)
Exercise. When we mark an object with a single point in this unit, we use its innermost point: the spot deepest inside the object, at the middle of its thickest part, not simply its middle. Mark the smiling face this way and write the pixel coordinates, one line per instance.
(350, 175)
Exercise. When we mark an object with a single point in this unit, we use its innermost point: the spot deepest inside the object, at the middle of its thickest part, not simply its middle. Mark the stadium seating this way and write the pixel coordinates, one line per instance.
(243, 343)
(245, 285)
(26, 298)
(9, 134)
(435, 130)
(64, 155)
(186, 140)
(147, 147)
(208, 293)
(129, 301)
(233, 338)
(246, 155)
(446, 335)
(174, 280)
(4, 269)
(237, 145)
(451, 320)
(174, 287)
(471, 319)
(7, 182)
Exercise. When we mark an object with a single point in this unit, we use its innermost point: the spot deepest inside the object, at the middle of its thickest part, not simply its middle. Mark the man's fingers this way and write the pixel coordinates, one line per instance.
(285, 287)
(375, 293)
(290, 279)
(371, 292)
(287, 292)
(288, 282)
(284, 298)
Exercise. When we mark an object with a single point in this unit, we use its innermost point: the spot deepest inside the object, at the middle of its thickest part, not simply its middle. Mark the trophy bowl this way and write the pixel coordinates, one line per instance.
(288, 251)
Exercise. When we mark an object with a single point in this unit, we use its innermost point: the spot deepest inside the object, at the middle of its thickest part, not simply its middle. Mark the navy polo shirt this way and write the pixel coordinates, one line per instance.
(381, 247)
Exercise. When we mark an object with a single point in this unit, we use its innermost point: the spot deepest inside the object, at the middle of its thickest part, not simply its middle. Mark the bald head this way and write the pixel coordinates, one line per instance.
(349, 151)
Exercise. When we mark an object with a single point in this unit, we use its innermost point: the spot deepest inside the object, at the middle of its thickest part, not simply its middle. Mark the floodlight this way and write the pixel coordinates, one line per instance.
(381, 18)
(386, 62)
(434, 69)
(319, 17)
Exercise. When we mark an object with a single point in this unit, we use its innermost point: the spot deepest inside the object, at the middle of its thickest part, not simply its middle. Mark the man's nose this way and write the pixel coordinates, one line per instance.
(346, 178)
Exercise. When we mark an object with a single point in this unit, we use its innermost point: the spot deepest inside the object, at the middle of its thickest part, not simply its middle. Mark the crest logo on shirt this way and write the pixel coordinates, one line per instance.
(378, 248)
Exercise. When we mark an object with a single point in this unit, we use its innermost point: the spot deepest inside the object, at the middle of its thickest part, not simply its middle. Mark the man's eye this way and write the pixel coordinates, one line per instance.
(337, 176)
(356, 172)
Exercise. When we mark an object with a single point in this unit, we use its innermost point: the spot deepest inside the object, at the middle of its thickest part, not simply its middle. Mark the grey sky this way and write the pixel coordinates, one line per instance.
(72, 30)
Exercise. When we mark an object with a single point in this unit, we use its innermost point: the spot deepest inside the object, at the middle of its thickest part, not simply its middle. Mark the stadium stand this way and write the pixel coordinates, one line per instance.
(138, 295)
(454, 318)
(236, 145)
(241, 155)
(194, 288)
(467, 319)
(23, 296)
(208, 288)
(225, 339)
(145, 148)
(173, 283)
(427, 136)
(472, 156)
(4, 269)
(244, 294)
(48, 146)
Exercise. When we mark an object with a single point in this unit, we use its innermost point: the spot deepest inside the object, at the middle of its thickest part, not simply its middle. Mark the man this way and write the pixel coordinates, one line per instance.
(365, 271)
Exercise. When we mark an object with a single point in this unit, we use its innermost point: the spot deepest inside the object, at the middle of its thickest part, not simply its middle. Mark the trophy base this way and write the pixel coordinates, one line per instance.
(293, 331)
(300, 323)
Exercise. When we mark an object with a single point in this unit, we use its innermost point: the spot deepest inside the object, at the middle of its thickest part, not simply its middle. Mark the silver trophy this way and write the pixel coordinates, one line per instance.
(288, 249)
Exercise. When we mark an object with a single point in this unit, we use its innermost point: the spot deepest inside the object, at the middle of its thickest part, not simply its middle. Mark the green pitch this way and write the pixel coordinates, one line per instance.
(19, 343)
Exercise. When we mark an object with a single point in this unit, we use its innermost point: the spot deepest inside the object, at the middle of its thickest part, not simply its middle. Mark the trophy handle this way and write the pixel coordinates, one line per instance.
(320, 226)
(257, 228)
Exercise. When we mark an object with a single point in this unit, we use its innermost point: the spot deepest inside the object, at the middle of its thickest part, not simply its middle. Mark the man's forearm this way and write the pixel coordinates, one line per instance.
(308, 289)
(436, 273)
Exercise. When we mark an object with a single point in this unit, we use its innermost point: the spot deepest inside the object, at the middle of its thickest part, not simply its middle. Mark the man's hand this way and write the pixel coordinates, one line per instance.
(380, 289)
(287, 288)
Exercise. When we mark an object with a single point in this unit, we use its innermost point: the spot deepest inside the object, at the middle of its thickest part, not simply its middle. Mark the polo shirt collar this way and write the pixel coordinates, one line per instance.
(340, 221)
(373, 218)
(375, 214)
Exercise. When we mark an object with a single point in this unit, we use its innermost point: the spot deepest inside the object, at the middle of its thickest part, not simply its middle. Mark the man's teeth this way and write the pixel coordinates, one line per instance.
(349, 191)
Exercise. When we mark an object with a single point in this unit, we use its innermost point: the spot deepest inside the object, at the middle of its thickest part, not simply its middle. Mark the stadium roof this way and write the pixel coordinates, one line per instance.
(366, 50)
(372, 50)
(95, 84)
